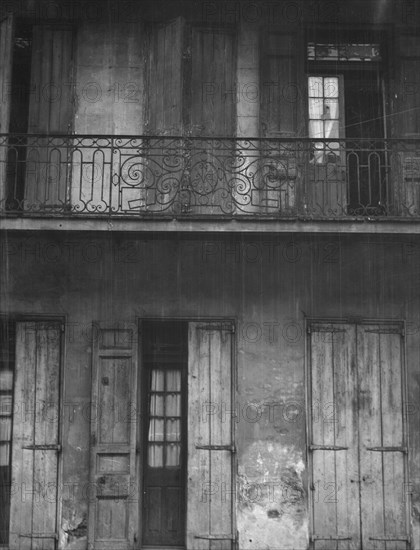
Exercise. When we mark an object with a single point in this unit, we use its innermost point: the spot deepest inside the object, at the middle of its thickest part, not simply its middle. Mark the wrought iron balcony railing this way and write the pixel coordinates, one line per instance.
(147, 176)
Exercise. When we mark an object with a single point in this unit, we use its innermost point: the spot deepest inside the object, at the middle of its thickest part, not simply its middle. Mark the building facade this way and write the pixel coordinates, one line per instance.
(210, 308)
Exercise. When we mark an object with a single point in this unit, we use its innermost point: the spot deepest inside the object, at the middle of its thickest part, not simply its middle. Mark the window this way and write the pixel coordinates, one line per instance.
(345, 103)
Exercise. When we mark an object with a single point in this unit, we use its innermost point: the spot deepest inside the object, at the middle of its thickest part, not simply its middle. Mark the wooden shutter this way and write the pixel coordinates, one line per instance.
(210, 504)
(50, 112)
(333, 437)
(159, 188)
(405, 161)
(114, 490)
(407, 105)
(211, 103)
(383, 447)
(280, 95)
(6, 56)
(165, 78)
(36, 437)
(50, 107)
(279, 91)
(213, 82)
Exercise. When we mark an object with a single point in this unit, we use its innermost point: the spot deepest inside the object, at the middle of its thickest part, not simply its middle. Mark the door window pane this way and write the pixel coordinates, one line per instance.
(173, 430)
(158, 379)
(173, 380)
(156, 430)
(172, 455)
(173, 404)
(155, 456)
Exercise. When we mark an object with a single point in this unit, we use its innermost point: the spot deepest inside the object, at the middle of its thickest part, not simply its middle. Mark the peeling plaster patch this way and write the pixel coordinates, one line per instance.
(272, 502)
(73, 532)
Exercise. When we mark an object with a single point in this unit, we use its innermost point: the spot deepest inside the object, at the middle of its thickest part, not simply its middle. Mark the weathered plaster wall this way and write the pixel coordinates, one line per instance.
(268, 285)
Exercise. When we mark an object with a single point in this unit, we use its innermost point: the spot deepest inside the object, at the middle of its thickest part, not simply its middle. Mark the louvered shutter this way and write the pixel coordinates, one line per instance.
(114, 488)
(210, 490)
(36, 443)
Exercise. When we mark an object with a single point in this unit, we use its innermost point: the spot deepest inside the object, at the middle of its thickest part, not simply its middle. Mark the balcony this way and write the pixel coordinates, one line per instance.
(149, 177)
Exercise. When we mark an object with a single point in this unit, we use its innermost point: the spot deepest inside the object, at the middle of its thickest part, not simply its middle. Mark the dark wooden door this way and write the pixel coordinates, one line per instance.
(164, 434)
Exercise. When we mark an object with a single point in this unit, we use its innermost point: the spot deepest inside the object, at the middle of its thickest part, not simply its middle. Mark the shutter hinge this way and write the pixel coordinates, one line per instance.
(308, 329)
(230, 448)
(39, 536)
(327, 448)
(315, 538)
(43, 448)
(62, 327)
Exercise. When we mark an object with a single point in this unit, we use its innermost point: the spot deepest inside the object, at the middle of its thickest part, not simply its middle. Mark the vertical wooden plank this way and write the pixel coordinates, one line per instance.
(6, 45)
(113, 511)
(220, 434)
(345, 415)
(323, 461)
(370, 435)
(21, 504)
(393, 436)
(198, 434)
(210, 498)
(46, 433)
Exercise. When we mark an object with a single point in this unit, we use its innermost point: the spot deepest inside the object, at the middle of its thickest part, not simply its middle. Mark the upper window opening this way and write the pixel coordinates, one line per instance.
(343, 52)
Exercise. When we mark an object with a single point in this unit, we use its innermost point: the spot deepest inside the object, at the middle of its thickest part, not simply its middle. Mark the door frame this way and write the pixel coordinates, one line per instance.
(355, 321)
(139, 322)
